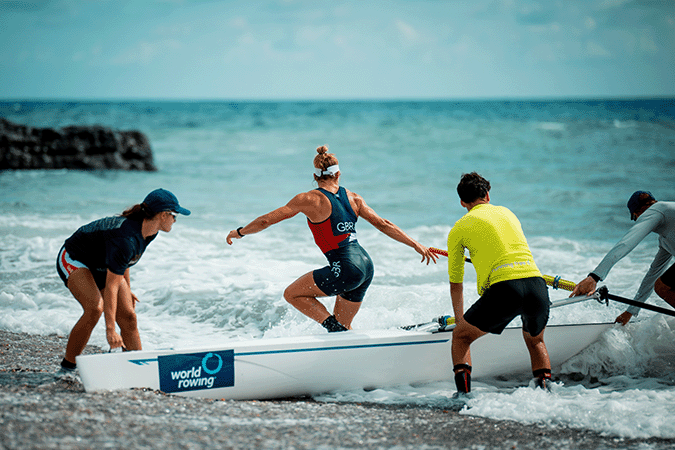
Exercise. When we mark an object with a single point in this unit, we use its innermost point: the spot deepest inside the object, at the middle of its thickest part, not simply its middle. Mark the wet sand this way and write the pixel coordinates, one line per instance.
(39, 412)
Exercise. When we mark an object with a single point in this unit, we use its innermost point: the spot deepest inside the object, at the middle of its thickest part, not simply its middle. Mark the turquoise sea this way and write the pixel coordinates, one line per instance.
(565, 167)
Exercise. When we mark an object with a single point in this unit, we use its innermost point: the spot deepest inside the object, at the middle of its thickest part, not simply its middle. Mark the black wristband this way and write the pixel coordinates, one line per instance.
(594, 276)
(239, 232)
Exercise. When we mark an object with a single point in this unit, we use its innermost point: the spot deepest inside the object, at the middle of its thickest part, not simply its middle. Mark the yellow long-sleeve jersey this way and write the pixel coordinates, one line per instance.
(497, 247)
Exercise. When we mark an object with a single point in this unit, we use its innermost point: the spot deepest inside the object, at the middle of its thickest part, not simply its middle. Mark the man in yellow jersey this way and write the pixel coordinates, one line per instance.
(509, 282)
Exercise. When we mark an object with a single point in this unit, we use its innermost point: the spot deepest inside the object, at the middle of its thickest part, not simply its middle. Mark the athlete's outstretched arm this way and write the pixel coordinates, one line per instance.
(300, 203)
(390, 229)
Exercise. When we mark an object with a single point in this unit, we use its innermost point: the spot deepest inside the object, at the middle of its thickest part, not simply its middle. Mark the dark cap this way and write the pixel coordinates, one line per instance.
(162, 200)
(634, 202)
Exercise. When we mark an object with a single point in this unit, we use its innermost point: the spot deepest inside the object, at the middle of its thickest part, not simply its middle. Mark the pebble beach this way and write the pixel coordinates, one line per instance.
(38, 411)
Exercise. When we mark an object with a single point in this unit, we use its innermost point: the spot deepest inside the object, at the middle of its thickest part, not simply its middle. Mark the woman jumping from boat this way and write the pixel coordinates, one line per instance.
(332, 212)
(94, 265)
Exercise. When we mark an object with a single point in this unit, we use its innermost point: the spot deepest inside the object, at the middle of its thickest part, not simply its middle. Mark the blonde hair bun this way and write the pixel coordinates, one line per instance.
(322, 161)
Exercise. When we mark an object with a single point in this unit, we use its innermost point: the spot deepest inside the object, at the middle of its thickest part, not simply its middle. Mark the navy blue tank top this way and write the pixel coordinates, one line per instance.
(339, 229)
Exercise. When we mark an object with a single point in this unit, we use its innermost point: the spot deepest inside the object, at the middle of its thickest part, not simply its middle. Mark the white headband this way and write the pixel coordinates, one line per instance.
(332, 170)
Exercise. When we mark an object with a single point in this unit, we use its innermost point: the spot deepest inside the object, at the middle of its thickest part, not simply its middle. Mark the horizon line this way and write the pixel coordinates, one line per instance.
(337, 100)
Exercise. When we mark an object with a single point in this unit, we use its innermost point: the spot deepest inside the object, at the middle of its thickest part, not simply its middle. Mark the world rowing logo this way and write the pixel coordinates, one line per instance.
(194, 371)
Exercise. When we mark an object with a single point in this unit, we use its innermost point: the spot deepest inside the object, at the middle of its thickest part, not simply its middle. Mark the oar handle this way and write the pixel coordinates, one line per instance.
(554, 282)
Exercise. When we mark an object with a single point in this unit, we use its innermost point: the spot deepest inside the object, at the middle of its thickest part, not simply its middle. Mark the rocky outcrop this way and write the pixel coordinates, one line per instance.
(73, 147)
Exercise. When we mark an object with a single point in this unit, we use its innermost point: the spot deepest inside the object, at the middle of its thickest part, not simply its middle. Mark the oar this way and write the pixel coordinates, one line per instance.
(604, 294)
(554, 282)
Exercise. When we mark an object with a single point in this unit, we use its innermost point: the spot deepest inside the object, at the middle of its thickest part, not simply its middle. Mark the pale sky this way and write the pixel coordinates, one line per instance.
(335, 49)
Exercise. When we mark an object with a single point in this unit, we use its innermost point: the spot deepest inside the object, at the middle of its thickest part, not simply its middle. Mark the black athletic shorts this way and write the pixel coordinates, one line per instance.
(668, 277)
(65, 265)
(348, 273)
(504, 301)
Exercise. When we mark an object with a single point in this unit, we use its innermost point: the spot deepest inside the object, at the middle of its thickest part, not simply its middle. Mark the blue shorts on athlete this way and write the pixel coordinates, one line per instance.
(348, 273)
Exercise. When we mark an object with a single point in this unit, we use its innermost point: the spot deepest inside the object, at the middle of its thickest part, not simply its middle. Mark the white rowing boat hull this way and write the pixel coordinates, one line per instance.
(310, 365)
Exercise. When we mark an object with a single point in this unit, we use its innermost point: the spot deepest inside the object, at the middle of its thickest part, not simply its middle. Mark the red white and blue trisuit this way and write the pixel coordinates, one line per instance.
(350, 269)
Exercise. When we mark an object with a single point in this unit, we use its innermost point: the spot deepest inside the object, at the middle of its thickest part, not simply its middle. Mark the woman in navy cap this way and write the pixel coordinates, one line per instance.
(94, 265)
(650, 216)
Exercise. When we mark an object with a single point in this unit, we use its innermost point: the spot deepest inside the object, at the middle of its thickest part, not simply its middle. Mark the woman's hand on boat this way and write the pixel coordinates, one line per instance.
(114, 339)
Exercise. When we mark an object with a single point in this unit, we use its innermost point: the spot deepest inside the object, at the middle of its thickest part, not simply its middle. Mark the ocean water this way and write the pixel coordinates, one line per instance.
(565, 168)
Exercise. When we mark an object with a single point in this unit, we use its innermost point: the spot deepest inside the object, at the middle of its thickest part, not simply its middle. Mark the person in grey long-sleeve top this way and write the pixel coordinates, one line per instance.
(650, 216)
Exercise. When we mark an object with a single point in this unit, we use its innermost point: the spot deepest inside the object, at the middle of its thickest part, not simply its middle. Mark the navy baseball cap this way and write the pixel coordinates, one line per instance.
(634, 202)
(162, 200)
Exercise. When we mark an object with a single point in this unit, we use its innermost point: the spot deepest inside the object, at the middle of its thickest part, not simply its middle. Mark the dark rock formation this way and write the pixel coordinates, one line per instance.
(73, 147)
